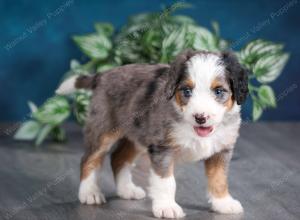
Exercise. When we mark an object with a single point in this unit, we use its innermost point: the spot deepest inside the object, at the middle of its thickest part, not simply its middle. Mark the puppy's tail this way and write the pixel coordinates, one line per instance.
(77, 82)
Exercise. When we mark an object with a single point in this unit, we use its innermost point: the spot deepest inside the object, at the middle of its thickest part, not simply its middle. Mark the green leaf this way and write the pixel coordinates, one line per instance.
(105, 67)
(266, 59)
(104, 28)
(46, 129)
(58, 134)
(75, 69)
(54, 111)
(266, 96)
(204, 39)
(181, 19)
(256, 49)
(173, 44)
(82, 101)
(28, 130)
(74, 64)
(96, 46)
(216, 28)
(32, 106)
(268, 68)
(177, 6)
(223, 45)
(140, 19)
(256, 111)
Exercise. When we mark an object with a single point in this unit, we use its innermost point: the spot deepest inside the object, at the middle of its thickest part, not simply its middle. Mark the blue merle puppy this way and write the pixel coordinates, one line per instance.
(186, 111)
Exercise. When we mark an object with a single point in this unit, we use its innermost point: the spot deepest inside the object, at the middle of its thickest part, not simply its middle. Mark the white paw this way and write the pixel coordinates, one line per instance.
(167, 209)
(226, 205)
(90, 194)
(131, 191)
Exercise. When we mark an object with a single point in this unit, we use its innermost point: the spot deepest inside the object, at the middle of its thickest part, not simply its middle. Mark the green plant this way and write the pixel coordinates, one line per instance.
(151, 38)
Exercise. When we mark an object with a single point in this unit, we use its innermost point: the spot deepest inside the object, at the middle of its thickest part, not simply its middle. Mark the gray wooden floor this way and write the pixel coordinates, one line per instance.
(41, 183)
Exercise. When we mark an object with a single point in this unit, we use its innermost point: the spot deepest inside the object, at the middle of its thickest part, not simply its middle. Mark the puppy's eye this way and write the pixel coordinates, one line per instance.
(219, 91)
(187, 92)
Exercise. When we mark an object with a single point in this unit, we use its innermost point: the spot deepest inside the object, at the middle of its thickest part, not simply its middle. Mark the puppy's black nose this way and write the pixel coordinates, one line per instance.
(200, 119)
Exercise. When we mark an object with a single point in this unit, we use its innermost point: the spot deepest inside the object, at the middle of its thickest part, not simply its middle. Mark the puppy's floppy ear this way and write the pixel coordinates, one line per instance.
(177, 71)
(238, 76)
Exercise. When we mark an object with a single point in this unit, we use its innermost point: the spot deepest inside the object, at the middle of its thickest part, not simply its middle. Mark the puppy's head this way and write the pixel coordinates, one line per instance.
(204, 86)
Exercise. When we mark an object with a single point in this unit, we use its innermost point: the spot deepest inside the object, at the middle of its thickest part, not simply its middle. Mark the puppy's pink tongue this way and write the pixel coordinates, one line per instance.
(203, 131)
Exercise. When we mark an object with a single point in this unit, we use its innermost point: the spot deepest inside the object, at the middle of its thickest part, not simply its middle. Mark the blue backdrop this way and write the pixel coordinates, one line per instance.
(35, 44)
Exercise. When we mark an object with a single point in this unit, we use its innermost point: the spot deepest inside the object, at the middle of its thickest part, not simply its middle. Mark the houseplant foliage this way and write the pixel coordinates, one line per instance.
(151, 38)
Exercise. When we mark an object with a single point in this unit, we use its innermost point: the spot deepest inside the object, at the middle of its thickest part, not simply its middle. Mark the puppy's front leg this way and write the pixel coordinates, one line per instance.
(162, 185)
(216, 170)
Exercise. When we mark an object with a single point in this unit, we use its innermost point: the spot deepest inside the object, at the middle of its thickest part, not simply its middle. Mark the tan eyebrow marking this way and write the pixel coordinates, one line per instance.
(189, 83)
(178, 94)
(217, 82)
(221, 82)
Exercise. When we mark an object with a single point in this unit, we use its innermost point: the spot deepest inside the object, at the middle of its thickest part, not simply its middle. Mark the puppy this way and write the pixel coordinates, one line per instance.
(186, 111)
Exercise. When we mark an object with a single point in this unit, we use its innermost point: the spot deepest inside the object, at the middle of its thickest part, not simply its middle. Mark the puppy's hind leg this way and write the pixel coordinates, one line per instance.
(122, 161)
(89, 190)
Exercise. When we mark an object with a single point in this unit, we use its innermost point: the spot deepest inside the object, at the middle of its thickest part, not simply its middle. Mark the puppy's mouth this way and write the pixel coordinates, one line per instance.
(203, 131)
